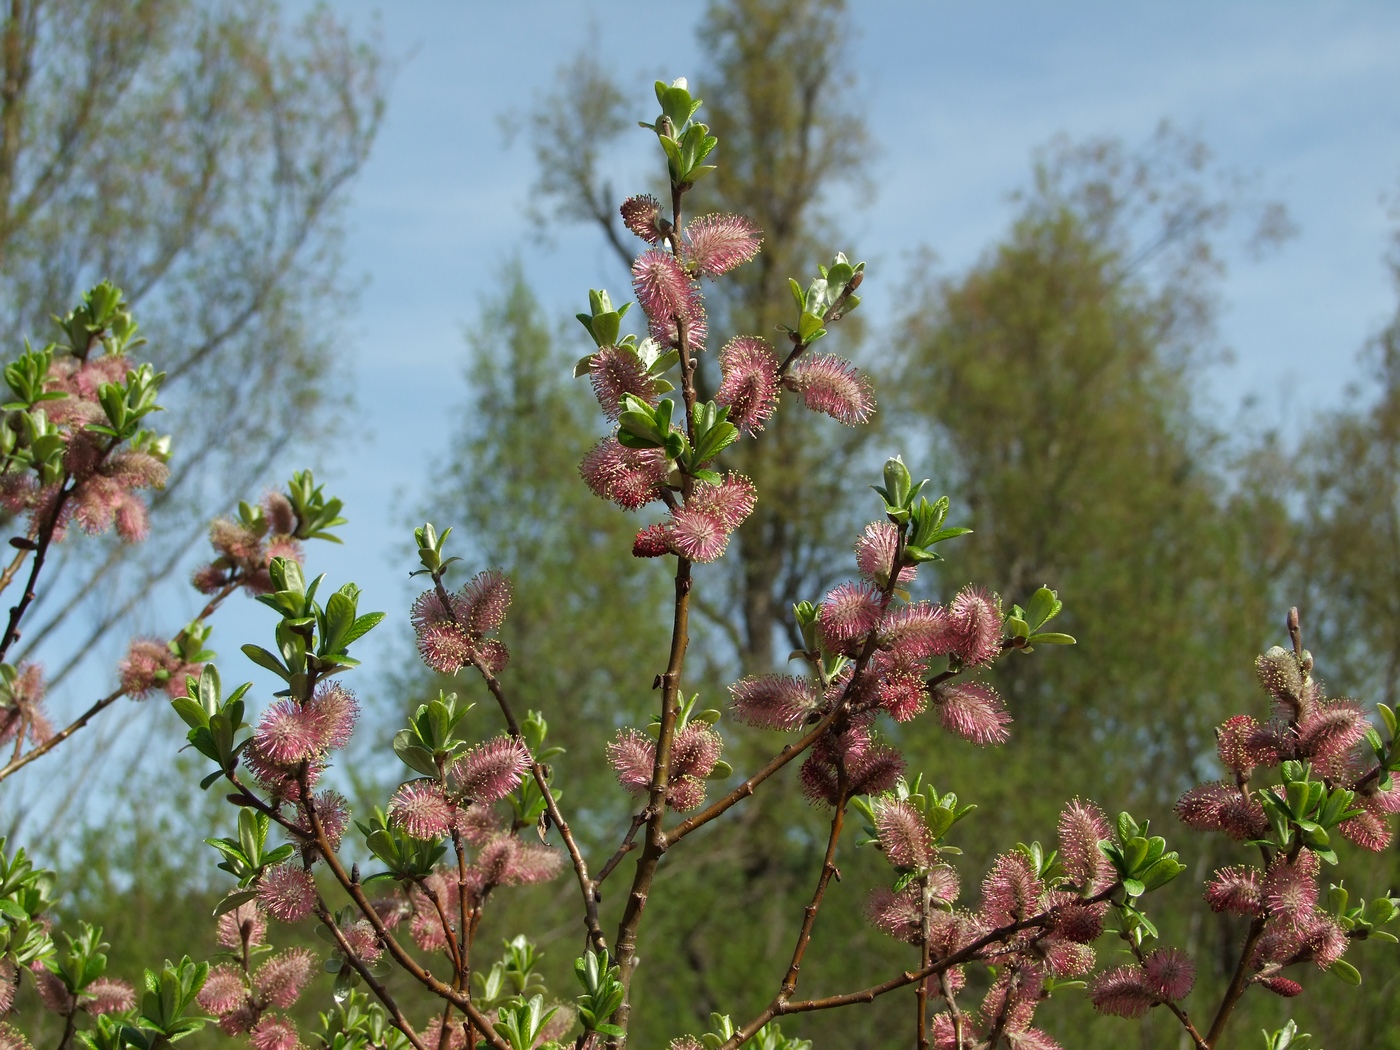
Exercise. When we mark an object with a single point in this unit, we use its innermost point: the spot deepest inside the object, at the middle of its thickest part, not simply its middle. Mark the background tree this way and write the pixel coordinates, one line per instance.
(197, 155)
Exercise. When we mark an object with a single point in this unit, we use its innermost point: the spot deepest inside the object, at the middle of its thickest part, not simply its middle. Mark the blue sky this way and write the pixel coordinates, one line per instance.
(958, 97)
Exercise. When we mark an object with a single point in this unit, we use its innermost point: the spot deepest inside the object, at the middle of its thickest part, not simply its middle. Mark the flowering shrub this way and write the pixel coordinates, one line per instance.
(480, 811)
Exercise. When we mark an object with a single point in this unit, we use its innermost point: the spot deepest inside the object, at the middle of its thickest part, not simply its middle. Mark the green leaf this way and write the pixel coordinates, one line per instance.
(1043, 605)
(233, 900)
(1348, 973)
(1052, 638)
(190, 712)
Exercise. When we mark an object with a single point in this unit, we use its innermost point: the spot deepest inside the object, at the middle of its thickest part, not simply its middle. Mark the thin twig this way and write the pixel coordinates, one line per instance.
(20, 761)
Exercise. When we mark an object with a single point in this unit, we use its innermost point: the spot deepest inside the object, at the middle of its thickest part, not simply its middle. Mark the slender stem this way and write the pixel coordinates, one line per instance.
(870, 994)
(809, 916)
(945, 986)
(537, 770)
(406, 961)
(453, 955)
(792, 751)
(44, 540)
(655, 842)
(380, 992)
(925, 957)
(1237, 982)
(8, 576)
(1176, 1010)
(585, 883)
(18, 762)
(465, 953)
(68, 1027)
(638, 819)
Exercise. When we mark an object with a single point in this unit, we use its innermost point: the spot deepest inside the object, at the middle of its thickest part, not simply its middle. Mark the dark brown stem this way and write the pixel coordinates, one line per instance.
(454, 956)
(400, 956)
(638, 819)
(1176, 1010)
(792, 751)
(809, 916)
(870, 994)
(380, 992)
(925, 957)
(1238, 982)
(68, 1026)
(537, 770)
(43, 541)
(20, 761)
(655, 842)
(946, 987)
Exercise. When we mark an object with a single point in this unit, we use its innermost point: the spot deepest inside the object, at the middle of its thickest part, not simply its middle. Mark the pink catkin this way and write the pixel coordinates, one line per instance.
(631, 478)
(490, 771)
(974, 621)
(246, 922)
(1170, 973)
(1082, 826)
(421, 809)
(774, 701)
(615, 371)
(716, 244)
(898, 914)
(850, 611)
(632, 755)
(1235, 889)
(642, 215)
(288, 733)
(145, 657)
(1011, 891)
(903, 834)
(875, 554)
(281, 979)
(274, 1032)
(832, 385)
(730, 502)
(334, 711)
(106, 995)
(749, 383)
(652, 541)
(223, 991)
(972, 711)
(486, 598)
(1123, 992)
(697, 535)
(287, 892)
(670, 299)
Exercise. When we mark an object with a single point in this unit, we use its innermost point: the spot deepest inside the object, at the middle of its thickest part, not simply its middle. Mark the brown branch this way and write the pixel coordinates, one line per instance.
(867, 995)
(405, 961)
(925, 957)
(7, 577)
(381, 993)
(1238, 982)
(809, 916)
(638, 819)
(20, 761)
(585, 884)
(1177, 1011)
(946, 988)
(655, 842)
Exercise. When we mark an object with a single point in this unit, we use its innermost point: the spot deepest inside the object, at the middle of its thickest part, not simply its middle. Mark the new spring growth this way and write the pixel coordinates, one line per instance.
(686, 144)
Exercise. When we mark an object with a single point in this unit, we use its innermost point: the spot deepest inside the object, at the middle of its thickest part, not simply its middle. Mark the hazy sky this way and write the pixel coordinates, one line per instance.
(958, 96)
